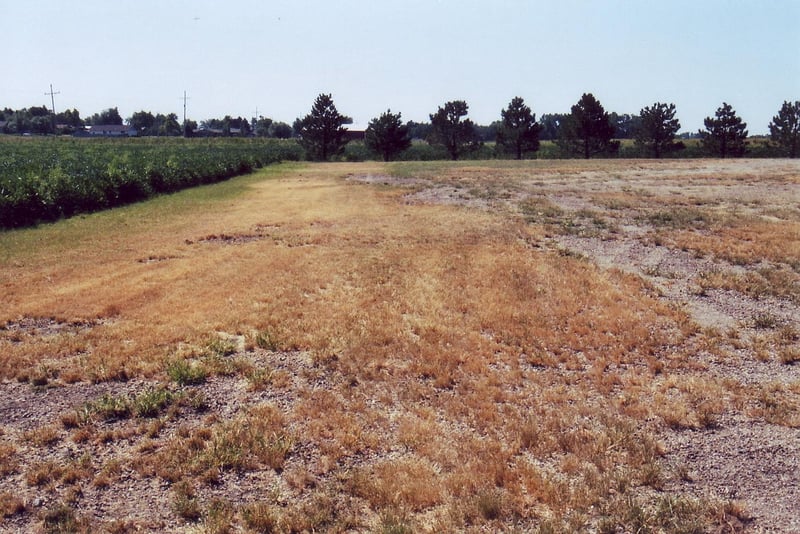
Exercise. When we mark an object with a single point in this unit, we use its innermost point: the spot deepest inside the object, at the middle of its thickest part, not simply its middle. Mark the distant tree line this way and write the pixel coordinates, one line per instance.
(587, 131)
(41, 121)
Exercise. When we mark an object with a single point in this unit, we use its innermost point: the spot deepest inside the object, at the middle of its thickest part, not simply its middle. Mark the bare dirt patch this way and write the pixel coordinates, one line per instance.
(227, 239)
(42, 326)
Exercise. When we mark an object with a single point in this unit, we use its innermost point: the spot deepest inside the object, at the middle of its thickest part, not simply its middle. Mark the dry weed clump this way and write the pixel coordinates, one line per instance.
(255, 439)
(9, 459)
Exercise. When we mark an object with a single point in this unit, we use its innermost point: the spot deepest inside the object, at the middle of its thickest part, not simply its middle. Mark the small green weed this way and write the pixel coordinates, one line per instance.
(220, 346)
(152, 402)
(267, 340)
(110, 407)
(186, 373)
(149, 403)
(259, 378)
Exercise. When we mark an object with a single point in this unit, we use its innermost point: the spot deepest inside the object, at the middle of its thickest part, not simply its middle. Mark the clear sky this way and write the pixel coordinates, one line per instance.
(275, 56)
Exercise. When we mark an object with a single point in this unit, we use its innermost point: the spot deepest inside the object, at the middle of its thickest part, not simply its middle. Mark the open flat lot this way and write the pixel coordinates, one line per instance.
(543, 346)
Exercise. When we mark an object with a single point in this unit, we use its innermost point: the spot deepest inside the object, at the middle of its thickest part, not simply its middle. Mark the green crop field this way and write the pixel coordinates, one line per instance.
(43, 179)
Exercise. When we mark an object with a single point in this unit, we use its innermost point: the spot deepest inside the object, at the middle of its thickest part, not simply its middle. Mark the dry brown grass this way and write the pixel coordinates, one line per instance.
(452, 376)
(749, 241)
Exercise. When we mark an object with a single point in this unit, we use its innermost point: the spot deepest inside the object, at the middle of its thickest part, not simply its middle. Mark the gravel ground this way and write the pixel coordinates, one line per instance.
(750, 461)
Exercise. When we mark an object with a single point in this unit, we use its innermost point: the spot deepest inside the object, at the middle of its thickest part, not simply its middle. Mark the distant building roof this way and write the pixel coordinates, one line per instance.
(111, 128)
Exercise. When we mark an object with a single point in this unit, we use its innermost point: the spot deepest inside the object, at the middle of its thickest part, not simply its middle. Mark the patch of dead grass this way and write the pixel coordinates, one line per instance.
(453, 374)
(747, 242)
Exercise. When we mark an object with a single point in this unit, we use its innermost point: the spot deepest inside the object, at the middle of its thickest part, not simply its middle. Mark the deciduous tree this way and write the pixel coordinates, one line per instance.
(169, 125)
(625, 125)
(322, 131)
(280, 130)
(588, 130)
(518, 132)
(387, 135)
(725, 135)
(419, 130)
(106, 117)
(550, 125)
(785, 128)
(261, 126)
(144, 122)
(657, 128)
(69, 117)
(451, 130)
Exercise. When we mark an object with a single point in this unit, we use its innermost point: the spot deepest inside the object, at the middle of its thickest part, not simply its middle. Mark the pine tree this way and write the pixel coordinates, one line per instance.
(387, 135)
(450, 130)
(518, 132)
(725, 135)
(587, 130)
(322, 131)
(785, 128)
(657, 128)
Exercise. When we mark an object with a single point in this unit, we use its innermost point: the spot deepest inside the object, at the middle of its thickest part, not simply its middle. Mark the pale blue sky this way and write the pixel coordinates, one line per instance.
(236, 56)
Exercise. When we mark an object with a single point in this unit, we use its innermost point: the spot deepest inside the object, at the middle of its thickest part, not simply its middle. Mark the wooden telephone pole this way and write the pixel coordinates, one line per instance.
(185, 98)
(53, 104)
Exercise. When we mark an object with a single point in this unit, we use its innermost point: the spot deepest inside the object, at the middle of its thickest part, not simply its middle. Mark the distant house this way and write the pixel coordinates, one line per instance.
(217, 132)
(355, 134)
(112, 130)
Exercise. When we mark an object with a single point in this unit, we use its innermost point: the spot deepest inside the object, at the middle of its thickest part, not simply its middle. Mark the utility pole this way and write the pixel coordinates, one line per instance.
(185, 98)
(53, 104)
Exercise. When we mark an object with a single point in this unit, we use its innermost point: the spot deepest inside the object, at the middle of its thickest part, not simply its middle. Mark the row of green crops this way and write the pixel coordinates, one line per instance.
(43, 179)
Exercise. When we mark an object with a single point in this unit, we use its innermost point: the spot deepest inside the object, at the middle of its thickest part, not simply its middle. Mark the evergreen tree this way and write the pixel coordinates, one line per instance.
(657, 128)
(387, 135)
(785, 128)
(587, 130)
(518, 132)
(322, 131)
(725, 135)
(450, 130)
